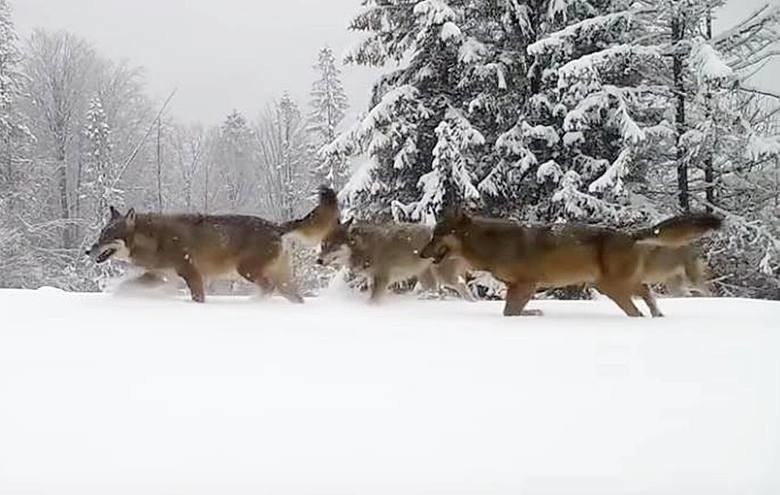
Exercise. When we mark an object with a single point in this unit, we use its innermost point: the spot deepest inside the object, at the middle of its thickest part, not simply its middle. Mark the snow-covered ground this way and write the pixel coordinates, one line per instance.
(102, 394)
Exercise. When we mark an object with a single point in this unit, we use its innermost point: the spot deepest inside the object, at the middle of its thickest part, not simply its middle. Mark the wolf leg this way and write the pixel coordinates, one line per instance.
(427, 280)
(278, 274)
(696, 272)
(621, 296)
(149, 279)
(676, 286)
(462, 290)
(517, 296)
(194, 280)
(646, 293)
(451, 274)
(252, 271)
(378, 288)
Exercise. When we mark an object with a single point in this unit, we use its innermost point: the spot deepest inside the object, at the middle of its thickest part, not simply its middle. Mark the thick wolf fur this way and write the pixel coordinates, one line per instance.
(678, 268)
(390, 253)
(525, 258)
(198, 247)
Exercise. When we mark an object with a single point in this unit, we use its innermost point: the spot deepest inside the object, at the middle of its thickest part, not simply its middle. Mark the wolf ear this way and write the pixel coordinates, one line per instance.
(130, 218)
(114, 213)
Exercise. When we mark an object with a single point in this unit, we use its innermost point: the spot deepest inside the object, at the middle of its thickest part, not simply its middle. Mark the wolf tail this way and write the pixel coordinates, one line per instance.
(312, 228)
(680, 230)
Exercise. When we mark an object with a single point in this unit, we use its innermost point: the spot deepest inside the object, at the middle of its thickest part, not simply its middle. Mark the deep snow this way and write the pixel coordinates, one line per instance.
(102, 394)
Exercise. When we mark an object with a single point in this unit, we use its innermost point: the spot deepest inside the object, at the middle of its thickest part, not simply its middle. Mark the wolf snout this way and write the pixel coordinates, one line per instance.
(320, 261)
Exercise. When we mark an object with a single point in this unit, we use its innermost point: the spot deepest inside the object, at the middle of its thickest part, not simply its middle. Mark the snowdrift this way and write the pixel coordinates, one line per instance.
(104, 394)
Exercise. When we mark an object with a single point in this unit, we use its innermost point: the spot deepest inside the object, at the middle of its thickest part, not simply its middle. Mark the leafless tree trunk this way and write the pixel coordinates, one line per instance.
(59, 66)
(678, 32)
(159, 167)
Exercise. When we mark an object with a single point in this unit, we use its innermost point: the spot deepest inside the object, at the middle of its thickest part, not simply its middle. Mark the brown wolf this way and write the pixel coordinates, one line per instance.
(390, 253)
(525, 258)
(213, 246)
(677, 268)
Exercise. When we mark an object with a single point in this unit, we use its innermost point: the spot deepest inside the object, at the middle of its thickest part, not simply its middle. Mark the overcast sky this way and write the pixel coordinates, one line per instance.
(226, 54)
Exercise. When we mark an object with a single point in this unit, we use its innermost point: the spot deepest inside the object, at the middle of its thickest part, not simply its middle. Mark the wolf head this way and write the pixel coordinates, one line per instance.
(446, 235)
(114, 237)
(336, 247)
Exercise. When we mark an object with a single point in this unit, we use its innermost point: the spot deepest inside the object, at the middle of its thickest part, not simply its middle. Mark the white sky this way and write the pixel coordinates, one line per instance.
(226, 54)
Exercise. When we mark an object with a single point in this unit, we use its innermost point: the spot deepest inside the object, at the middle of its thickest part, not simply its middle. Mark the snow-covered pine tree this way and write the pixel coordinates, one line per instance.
(237, 157)
(449, 182)
(13, 134)
(645, 111)
(16, 260)
(328, 107)
(454, 60)
(286, 160)
(581, 145)
(98, 167)
(733, 150)
(97, 179)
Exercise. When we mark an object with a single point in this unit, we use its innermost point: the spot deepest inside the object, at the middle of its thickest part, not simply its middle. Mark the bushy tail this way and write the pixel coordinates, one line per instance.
(312, 228)
(680, 230)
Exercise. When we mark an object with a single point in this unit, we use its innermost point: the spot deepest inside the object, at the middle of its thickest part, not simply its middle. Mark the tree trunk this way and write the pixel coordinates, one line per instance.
(683, 196)
(709, 172)
(206, 190)
(62, 175)
(159, 169)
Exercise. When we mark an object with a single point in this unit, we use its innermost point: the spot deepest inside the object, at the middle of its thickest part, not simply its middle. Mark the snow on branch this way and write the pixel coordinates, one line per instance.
(471, 51)
(761, 147)
(612, 178)
(450, 30)
(381, 113)
(583, 30)
(609, 98)
(708, 66)
(436, 13)
(589, 67)
(549, 170)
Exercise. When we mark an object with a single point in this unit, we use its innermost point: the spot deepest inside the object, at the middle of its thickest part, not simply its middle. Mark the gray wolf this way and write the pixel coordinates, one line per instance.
(527, 257)
(389, 253)
(197, 247)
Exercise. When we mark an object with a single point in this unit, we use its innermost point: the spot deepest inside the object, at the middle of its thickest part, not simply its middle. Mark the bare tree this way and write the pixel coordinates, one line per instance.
(287, 160)
(191, 146)
(59, 66)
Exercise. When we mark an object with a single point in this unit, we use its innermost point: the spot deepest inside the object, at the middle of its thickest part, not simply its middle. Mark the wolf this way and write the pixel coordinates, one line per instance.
(197, 247)
(389, 253)
(676, 267)
(527, 257)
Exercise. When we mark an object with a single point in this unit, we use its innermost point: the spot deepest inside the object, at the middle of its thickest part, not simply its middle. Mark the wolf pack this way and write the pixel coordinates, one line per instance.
(620, 264)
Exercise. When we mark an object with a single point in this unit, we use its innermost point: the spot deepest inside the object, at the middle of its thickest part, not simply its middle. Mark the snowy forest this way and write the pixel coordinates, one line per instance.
(607, 112)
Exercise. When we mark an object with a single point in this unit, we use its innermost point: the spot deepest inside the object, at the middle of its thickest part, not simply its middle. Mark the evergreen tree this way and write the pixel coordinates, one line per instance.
(97, 188)
(16, 261)
(286, 158)
(450, 182)
(409, 104)
(457, 57)
(237, 156)
(329, 104)
(14, 135)
(99, 172)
